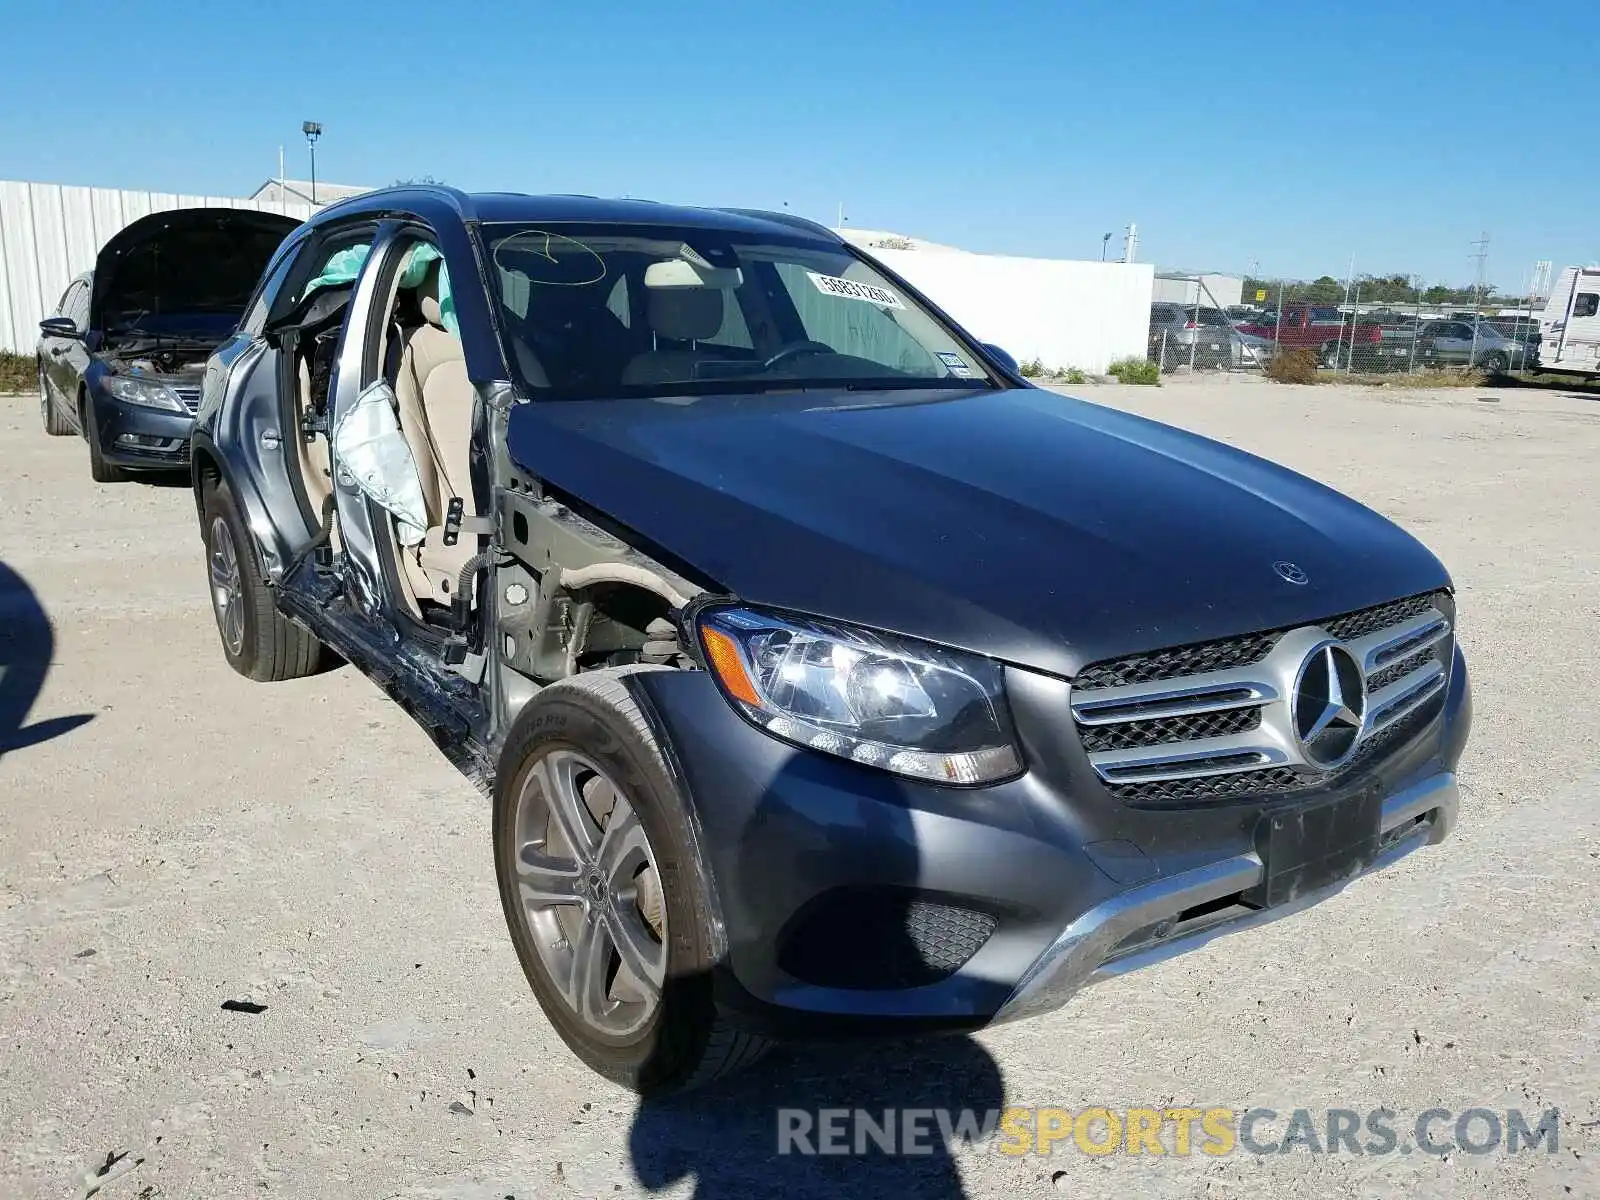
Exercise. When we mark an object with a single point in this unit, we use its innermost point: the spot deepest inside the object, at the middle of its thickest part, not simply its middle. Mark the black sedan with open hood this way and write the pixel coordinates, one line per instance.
(121, 358)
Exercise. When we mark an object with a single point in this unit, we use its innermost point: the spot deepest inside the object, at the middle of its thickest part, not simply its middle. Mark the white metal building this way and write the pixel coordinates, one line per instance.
(1063, 312)
(50, 233)
(299, 191)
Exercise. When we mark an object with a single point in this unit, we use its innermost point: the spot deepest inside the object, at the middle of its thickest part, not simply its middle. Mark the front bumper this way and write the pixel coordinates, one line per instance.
(1090, 949)
(828, 878)
(134, 436)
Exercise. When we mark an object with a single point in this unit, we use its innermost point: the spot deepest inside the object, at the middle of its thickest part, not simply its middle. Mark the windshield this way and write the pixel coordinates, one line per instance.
(594, 310)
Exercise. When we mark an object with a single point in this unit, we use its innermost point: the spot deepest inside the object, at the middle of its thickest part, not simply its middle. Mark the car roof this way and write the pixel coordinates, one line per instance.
(435, 201)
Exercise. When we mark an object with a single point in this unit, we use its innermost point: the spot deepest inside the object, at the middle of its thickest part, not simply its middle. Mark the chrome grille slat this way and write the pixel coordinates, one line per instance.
(1184, 760)
(1226, 729)
(1391, 703)
(1211, 692)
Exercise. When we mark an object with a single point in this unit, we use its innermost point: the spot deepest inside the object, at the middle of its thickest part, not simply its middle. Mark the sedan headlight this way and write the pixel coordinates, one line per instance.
(909, 707)
(148, 393)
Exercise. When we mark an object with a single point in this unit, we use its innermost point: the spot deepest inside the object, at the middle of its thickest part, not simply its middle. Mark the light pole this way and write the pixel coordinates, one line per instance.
(1104, 238)
(313, 131)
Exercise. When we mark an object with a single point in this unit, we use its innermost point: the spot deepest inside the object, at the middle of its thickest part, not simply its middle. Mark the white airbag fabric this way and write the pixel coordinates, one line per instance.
(369, 444)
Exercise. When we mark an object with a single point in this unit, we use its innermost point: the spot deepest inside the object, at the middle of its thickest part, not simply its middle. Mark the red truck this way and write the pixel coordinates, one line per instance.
(1336, 337)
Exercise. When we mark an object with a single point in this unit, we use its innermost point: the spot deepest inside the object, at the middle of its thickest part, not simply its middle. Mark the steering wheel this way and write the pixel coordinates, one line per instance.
(795, 350)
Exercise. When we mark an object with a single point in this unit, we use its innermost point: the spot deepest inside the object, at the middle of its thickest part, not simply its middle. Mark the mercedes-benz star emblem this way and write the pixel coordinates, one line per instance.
(1330, 705)
(1290, 573)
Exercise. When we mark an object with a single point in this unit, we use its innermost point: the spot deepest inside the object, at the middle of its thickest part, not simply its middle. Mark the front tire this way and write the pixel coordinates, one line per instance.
(606, 900)
(258, 641)
(1494, 363)
(100, 470)
(54, 423)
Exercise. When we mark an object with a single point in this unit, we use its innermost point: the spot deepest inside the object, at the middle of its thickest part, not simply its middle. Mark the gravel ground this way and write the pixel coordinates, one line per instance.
(172, 837)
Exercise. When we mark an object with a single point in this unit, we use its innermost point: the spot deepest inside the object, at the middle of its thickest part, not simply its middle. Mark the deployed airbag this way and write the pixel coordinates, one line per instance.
(415, 273)
(369, 444)
(342, 268)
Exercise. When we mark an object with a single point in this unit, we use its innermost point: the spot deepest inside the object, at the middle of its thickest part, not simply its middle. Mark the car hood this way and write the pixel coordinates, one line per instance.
(188, 267)
(1042, 530)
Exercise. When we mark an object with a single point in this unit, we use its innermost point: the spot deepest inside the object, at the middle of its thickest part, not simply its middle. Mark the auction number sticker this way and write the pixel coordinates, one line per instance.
(832, 285)
(958, 365)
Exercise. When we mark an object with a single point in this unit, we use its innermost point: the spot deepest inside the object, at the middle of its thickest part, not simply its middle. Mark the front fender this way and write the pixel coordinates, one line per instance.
(210, 466)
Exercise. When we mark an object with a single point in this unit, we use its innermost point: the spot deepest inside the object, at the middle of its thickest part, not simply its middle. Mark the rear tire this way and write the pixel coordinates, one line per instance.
(576, 736)
(258, 641)
(54, 423)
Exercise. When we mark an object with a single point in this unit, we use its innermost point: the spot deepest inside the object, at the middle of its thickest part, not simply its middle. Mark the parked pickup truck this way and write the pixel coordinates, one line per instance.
(1332, 335)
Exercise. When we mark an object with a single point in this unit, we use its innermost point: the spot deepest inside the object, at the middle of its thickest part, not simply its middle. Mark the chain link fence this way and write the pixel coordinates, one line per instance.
(1243, 323)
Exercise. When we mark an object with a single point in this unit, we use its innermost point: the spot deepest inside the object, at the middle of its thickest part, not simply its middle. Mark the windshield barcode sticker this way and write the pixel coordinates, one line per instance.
(958, 365)
(832, 285)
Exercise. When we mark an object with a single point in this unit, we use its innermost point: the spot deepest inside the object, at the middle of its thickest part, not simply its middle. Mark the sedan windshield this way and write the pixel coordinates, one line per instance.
(592, 310)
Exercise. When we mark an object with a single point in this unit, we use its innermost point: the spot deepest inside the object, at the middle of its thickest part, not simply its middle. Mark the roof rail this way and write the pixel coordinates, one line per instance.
(783, 218)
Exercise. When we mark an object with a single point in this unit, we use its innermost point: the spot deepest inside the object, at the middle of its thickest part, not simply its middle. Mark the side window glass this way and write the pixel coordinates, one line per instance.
(617, 302)
(78, 305)
(64, 305)
(735, 332)
(256, 317)
(1587, 304)
(336, 260)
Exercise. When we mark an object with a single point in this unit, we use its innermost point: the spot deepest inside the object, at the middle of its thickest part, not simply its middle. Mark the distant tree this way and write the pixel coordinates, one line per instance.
(418, 179)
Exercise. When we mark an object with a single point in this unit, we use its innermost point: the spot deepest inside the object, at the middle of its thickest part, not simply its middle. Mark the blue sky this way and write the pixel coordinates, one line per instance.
(1289, 135)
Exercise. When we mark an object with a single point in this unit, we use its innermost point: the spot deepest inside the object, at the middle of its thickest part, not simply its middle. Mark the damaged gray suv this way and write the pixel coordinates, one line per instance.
(828, 677)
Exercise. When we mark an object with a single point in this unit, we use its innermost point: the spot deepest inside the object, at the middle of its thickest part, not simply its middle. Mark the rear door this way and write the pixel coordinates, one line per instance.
(1452, 343)
(249, 404)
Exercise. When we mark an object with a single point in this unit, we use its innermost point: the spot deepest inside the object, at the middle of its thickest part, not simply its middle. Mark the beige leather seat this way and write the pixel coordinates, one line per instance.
(436, 399)
(678, 314)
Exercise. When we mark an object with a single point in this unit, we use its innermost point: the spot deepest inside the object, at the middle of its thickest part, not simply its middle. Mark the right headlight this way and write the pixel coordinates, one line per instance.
(906, 706)
(147, 393)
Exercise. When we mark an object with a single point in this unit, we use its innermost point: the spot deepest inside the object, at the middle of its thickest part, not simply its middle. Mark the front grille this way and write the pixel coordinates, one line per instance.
(882, 938)
(1185, 660)
(1155, 732)
(1215, 720)
(190, 397)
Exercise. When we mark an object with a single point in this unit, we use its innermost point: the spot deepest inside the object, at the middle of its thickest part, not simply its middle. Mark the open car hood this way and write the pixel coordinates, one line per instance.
(186, 271)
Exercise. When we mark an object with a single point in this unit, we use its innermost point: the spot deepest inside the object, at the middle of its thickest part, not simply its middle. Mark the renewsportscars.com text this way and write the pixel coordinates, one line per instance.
(1173, 1131)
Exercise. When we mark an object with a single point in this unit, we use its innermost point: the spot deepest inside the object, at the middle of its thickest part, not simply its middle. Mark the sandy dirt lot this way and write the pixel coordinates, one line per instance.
(173, 837)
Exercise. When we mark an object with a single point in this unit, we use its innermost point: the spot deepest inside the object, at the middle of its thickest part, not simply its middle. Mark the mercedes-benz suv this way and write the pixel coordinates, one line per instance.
(826, 676)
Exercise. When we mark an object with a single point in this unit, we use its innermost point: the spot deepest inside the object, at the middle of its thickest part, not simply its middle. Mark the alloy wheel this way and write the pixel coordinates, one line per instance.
(227, 586)
(591, 897)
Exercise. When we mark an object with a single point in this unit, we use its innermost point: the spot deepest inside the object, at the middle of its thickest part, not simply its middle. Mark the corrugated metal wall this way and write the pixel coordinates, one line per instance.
(50, 232)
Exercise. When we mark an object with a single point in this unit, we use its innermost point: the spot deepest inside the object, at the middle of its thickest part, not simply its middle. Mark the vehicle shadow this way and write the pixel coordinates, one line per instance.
(763, 1131)
(1577, 389)
(164, 479)
(27, 644)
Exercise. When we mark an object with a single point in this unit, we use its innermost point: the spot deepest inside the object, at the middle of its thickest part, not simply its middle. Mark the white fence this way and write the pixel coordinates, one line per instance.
(1063, 312)
(50, 233)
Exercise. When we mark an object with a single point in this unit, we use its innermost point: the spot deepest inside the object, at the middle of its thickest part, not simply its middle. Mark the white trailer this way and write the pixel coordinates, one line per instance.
(1569, 329)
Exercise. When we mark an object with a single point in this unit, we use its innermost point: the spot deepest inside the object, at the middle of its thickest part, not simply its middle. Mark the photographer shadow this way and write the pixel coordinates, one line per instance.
(27, 645)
